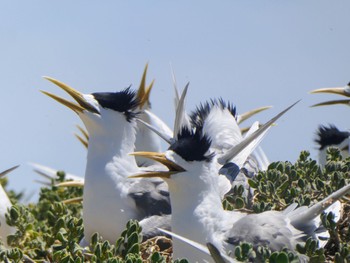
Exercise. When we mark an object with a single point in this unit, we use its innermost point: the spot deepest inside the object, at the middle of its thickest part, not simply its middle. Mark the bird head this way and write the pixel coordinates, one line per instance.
(100, 110)
(332, 136)
(190, 148)
(193, 146)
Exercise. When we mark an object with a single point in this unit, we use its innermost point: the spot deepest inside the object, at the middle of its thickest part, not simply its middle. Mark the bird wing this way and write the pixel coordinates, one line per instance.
(159, 124)
(151, 196)
(271, 229)
(222, 128)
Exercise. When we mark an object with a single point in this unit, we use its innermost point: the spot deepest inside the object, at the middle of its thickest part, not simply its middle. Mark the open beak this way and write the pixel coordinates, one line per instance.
(76, 183)
(161, 158)
(81, 105)
(144, 91)
(332, 102)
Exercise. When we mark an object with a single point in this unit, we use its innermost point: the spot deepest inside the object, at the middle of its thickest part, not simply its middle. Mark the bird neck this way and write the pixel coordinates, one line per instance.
(109, 149)
(146, 140)
(118, 140)
(107, 207)
(196, 211)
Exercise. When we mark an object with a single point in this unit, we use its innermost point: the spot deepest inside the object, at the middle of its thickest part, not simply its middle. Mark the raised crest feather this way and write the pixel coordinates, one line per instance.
(192, 145)
(331, 135)
(124, 101)
(199, 116)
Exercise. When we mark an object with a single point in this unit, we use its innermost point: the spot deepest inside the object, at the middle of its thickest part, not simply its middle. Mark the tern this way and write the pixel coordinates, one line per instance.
(145, 138)
(110, 198)
(196, 204)
(197, 211)
(331, 137)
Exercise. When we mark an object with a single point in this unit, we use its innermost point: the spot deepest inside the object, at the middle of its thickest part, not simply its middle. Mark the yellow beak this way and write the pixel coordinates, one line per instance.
(78, 107)
(337, 90)
(161, 158)
(144, 92)
(332, 102)
(251, 113)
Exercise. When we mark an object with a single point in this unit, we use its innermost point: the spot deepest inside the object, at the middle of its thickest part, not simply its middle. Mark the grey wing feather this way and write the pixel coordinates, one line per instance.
(270, 229)
(151, 197)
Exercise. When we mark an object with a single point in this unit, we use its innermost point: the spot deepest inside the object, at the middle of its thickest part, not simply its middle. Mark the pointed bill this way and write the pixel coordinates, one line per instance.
(159, 174)
(76, 95)
(161, 158)
(84, 132)
(77, 183)
(76, 200)
(142, 88)
(85, 139)
(248, 114)
(344, 91)
(73, 106)
(84, 142)
(333, 102)
(148, 93)
(144, 92)
(234, 151)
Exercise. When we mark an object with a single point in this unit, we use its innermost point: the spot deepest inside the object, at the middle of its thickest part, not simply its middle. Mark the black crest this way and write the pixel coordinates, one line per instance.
(202, 111)
(330, 136)
(124, 101)
(192, 146)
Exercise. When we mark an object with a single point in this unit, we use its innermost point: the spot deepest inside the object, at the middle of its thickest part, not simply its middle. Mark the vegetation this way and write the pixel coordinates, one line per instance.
(50, 230)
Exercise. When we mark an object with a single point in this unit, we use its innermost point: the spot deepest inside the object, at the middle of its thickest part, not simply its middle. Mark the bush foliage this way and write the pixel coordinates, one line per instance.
(50, 230)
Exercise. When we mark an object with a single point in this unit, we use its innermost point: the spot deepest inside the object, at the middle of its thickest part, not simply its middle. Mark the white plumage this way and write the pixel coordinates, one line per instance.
(197, 212)
(110, 198)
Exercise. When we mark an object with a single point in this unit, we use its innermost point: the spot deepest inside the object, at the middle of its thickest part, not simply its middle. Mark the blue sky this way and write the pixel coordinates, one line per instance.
(253, 53)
